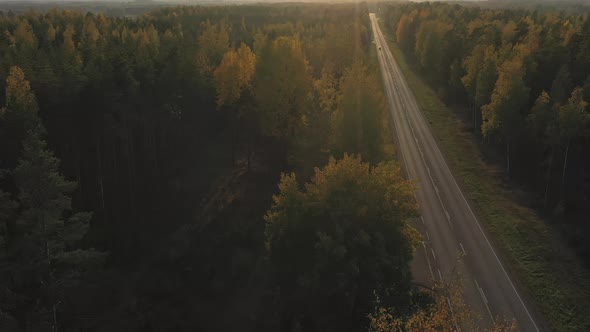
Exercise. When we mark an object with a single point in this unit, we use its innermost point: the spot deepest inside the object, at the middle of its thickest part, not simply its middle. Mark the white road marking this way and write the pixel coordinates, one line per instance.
(435, 187)
(428, 236)
(482, 296)
(485, 300)
(433, 255)
(440, 275)
(462, 248)
(428, 261)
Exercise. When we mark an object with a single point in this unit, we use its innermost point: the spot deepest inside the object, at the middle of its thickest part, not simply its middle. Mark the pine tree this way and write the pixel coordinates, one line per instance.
(46, 236)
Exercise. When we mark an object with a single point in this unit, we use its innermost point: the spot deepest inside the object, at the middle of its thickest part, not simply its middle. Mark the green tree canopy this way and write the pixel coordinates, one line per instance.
(44, 195)
(282, 87)
(543, 120)
(340, 239)
(356, 122)
(573, 117)
(503, 114)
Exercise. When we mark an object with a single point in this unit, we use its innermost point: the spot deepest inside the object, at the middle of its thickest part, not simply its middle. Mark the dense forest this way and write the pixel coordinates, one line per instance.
(569, 6)
(225, 168)
(140, 159)
(523, 79)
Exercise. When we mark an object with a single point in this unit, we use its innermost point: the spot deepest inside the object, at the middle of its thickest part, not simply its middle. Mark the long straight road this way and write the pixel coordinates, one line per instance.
(456, 247)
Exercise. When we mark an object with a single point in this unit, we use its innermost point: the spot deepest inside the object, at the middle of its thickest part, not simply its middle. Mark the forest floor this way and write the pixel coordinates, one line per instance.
(207, 275)
(550, 272)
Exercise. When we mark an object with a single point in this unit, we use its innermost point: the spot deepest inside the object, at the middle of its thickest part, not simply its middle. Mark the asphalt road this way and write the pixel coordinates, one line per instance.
(456, 248)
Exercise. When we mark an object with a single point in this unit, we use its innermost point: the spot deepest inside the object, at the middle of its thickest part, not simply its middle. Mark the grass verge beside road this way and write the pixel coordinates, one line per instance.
(553, 277)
